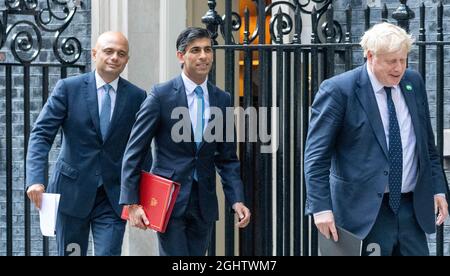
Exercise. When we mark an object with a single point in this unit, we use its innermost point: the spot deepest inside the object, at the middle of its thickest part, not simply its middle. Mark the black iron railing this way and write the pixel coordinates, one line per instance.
(289, 72)
(23, 39)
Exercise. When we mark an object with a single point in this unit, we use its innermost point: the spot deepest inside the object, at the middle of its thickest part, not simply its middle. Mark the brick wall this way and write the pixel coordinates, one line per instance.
(80, 28)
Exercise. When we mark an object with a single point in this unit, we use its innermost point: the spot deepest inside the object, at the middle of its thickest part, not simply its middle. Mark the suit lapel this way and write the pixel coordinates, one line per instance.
(212, 97)
(410, 99)
(181, 101)
(90, 94)
(367, 99)
(119, 107)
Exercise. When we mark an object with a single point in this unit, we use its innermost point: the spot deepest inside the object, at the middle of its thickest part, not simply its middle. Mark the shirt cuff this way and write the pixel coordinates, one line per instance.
(316, 215)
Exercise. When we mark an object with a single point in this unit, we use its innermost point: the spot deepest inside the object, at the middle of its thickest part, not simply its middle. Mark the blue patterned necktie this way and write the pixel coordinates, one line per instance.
(395, 155)
(198, 132)
(105, 115)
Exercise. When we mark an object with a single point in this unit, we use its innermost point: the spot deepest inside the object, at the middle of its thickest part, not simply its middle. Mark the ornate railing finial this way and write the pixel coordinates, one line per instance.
(403, 15)
(212, 20)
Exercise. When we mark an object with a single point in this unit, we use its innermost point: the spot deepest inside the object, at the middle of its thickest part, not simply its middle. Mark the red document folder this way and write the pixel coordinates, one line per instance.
(157, 195)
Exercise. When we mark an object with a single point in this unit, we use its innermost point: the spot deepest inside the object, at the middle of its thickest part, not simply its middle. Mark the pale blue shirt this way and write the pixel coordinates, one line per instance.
(190, 86)
(101, 92)
(408, 136)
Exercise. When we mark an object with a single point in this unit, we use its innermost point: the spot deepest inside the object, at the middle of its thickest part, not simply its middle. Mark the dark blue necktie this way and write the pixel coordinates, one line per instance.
(395, 155)
(105, 114)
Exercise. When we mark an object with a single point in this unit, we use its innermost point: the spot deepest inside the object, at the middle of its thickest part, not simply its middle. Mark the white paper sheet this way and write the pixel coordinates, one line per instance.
(48, 214)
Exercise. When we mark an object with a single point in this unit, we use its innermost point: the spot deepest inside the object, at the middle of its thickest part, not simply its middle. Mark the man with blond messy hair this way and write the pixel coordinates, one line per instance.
(371, 164)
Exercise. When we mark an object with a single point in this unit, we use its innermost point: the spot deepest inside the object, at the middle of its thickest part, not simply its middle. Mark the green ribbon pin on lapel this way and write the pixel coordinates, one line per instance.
(409, 87)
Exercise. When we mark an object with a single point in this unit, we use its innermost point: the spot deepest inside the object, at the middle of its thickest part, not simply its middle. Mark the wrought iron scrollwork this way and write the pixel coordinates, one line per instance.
(328, 29)
(26, 43)
(236, 24)
(22, 5)
(285, 18)
(280, 24)
(26, 36)
(281, 20)
(282, 14)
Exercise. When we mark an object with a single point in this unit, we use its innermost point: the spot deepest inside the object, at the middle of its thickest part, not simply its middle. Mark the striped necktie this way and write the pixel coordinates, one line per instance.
(105, 115)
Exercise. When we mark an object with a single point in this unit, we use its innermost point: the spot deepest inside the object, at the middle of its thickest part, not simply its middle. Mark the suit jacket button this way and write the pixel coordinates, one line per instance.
(386, 173)
(380, 195)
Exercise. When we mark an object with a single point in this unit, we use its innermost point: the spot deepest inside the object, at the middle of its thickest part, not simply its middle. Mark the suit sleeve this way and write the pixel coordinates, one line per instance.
(138, 148)
(228, 167)
(437, 172)
(43, 134)
(328, 111)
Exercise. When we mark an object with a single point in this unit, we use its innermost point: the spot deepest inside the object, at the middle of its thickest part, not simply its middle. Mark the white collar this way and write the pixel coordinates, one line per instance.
(100, 82)
(190, 86)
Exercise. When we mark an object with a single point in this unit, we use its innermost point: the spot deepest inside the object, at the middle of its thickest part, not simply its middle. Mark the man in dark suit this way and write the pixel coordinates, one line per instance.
(96, 112)
(191, 163)
(371, 164)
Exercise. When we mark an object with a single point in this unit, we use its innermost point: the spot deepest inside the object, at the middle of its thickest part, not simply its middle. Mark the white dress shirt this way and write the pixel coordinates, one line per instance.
(190, 86)
(410, 159)
(101, 92)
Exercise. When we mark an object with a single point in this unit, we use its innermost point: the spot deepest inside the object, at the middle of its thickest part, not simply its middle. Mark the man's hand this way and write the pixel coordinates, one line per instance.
(137, 217)
(34, 193)
(243, 214)
(325, 224)
(440, 209)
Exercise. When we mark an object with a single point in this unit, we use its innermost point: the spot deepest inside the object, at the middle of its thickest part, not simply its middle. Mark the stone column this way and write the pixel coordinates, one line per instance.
(173, 20)
(109, 15)
(139, 20)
